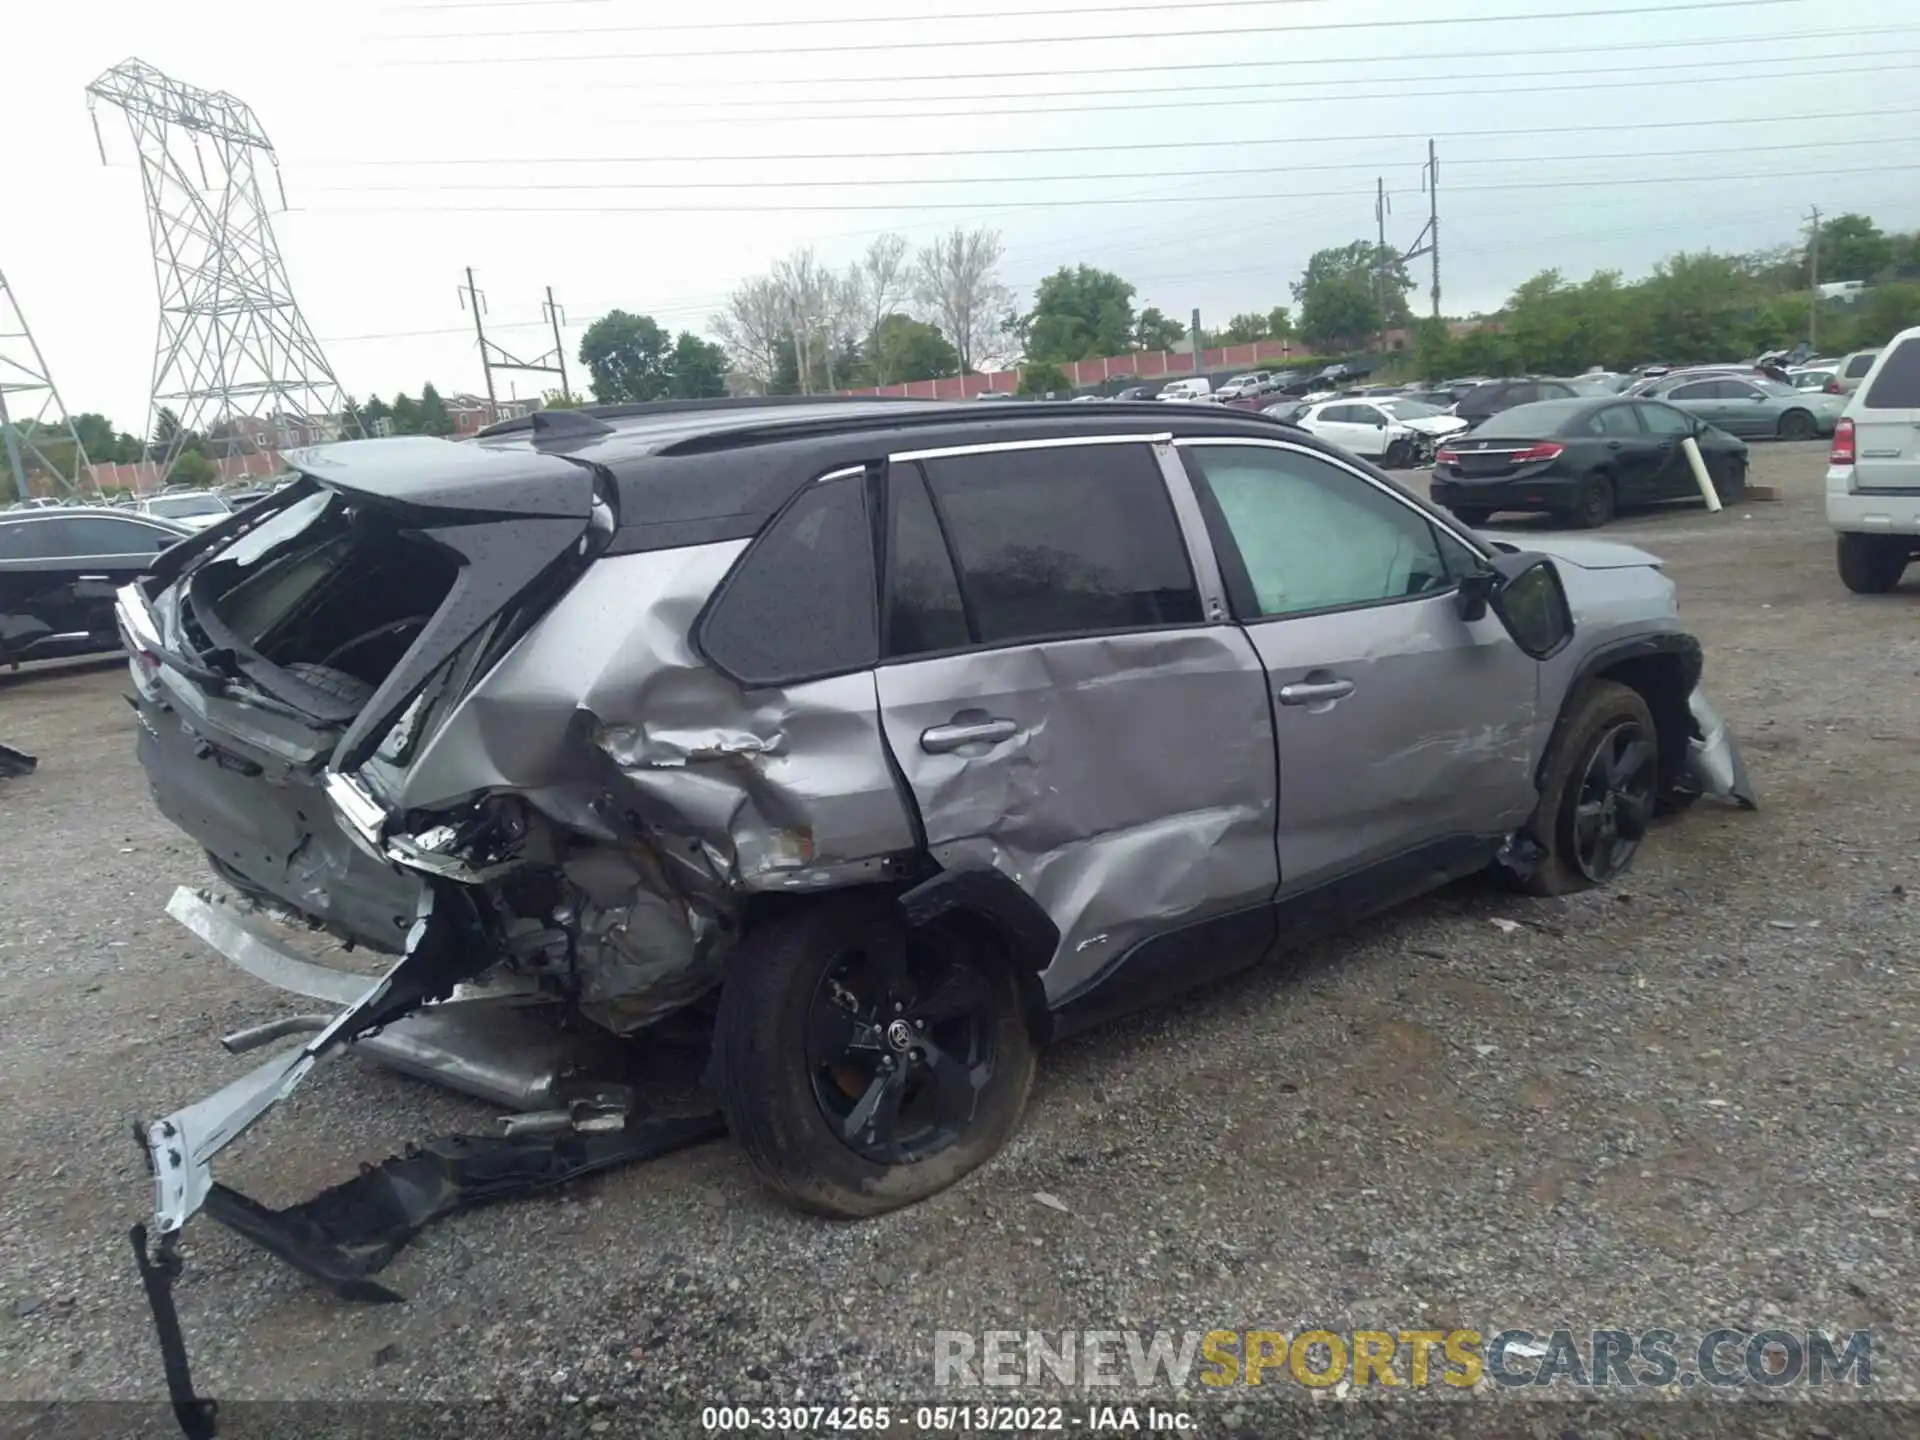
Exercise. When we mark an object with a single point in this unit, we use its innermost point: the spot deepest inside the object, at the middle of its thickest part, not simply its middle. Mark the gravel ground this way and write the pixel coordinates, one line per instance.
(1687, 1101)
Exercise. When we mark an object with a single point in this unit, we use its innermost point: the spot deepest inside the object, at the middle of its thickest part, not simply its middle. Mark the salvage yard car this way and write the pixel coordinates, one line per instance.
(1578, 460)
(1873, 471)
(898, 738)
(60, 568)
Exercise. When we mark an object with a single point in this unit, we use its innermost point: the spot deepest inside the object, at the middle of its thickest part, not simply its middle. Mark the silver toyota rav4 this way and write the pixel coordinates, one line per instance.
(886, 741)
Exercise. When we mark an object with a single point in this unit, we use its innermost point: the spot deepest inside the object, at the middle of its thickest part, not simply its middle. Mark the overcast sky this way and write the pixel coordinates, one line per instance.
(535, 141)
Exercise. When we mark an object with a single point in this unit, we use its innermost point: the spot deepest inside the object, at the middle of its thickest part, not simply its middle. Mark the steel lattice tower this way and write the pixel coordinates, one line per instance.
(32, 416)
(233, 345)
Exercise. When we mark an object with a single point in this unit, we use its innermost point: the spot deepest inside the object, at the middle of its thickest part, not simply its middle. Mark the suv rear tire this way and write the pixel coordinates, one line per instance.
(1872, 564)
(864, 1066)
(1601, 786)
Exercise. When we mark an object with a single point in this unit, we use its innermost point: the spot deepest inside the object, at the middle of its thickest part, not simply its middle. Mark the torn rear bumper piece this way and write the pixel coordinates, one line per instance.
(492, 1047)
(1713, 759)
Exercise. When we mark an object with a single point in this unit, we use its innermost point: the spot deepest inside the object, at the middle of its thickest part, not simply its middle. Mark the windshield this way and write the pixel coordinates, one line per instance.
(1772, 387)
(1410, 409)
(178, 507)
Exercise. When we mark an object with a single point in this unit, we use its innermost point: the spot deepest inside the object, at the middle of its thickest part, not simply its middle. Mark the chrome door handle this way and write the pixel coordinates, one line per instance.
(1313, 692)
(93, 577)
(943, 739)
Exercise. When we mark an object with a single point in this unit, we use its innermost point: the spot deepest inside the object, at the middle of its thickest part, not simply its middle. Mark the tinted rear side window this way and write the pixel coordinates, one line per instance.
(1860, 364)
(1064, 541)
(801, 602)
(1897, 386)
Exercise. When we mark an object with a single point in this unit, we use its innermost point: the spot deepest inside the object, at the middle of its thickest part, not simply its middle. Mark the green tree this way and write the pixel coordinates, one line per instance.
(434, 419)
(699, 368)
(629, 358)
(1852, 247)
(1279, 323)
(1697, 307)
(193, 468)
(1485, 352)
(1887, 310)
(1044, 378)
(1243, 330)
(374, 413)
(1154, 331)
(1078, 314)
(1433, 349)
(166, 425)
(406, 415)
(910, 349)
(1349, 293)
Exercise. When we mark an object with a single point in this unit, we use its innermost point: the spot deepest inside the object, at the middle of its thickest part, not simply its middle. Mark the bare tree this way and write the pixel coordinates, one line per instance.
(886, 279)
(807, 290)
(955, 277)
(752, 328)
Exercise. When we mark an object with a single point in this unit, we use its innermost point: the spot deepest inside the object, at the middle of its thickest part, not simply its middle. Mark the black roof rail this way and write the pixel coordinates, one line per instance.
(630, 410)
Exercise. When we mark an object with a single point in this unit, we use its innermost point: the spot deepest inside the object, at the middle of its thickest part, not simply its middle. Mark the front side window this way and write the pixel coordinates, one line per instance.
(1616, 420)
(1309, 535)
(1660, 420)
(1699, 390)
(800, 603)
(1061, 541)
(101, 535)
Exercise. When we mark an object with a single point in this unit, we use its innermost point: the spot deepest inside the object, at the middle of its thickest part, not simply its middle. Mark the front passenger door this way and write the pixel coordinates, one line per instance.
(1404, 732)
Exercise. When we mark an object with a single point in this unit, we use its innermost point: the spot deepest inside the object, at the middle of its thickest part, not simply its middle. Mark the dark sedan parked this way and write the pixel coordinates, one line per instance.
(59, 570)
(1494, 396)
(1579, 459)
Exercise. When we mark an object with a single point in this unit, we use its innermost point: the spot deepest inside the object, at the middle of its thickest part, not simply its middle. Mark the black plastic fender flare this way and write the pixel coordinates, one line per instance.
(979, 889)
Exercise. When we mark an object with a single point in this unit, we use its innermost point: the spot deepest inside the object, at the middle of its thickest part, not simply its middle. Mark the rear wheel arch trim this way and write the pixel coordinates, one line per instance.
(980, 892)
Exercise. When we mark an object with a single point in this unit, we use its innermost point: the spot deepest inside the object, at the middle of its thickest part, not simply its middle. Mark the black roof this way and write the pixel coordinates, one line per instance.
(697, 471)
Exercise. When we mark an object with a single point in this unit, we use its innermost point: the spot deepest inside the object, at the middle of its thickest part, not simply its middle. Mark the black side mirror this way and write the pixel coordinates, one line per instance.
(1524, 589)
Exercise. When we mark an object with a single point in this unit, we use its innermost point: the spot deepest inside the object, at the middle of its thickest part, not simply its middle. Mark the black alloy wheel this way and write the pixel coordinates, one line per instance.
(1615, 801)
(1594, 507)
(1796, 425)
(901, 1044)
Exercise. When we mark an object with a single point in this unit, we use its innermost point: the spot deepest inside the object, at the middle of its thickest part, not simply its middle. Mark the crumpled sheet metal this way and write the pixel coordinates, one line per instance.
(1713, 759)
(603, 711)
(1182, 715)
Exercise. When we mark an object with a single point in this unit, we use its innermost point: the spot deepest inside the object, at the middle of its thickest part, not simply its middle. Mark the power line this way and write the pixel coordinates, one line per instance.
(816, 20)
(974, 41)
(1427, 59)
(1133, 92)
(1695, 78)
(1184, 174)
(1238, 142)
(970, 205)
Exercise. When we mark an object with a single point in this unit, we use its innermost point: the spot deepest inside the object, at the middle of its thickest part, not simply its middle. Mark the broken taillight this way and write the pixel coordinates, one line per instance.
(1842, 451)
(1832, 386)
(1539, 451)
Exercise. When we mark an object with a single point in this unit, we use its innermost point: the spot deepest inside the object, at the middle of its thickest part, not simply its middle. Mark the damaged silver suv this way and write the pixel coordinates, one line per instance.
(885, 740)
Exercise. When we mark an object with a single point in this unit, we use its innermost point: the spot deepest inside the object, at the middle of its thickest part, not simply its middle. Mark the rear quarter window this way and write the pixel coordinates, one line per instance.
(1860, 364)
(801, 602)
(1897, 386)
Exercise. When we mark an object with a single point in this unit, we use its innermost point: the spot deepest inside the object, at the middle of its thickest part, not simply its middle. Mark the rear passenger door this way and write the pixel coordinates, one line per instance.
(1063, 692)
(1635, 457)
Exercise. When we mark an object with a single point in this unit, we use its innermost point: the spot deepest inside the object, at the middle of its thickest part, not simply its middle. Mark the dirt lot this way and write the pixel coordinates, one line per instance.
(1688, 1101)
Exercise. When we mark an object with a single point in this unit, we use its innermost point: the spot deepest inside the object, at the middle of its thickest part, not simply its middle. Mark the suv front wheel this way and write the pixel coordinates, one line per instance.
(1598, 798)
(864, 1065)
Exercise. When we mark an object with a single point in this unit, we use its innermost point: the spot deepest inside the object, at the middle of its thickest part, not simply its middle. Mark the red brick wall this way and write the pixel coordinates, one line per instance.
(1147, 364)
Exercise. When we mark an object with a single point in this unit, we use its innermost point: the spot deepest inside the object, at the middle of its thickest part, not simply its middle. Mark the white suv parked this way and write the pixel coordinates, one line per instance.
(1873, 472)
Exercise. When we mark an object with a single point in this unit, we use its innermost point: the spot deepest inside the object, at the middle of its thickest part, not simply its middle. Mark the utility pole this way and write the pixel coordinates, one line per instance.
(471, 299)
(1813, 278)
(1196, 341)
(559, 350)
(1380, 208)
(1427, 242)
(493, 356)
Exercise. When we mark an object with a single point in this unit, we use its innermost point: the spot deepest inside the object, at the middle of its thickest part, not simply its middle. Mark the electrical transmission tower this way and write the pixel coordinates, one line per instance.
(493, 356)
(32, 418)
(233, 346)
